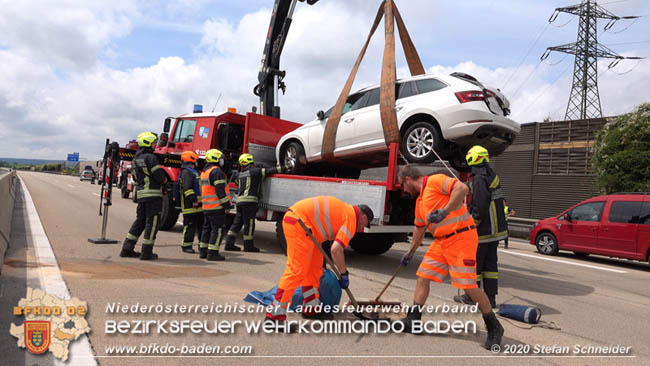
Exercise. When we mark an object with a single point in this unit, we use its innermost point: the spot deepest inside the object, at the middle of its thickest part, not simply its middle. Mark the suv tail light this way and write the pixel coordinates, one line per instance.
(470, 96)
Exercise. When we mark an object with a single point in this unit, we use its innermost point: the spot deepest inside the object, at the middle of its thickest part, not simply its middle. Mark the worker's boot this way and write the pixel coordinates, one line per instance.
(188, 249)
(213, 255)
(249, 246)
(230, 244)
(414, 314)
(494, 330)
(127, 249)
(464, 299)
(147, 253)
(203, 252)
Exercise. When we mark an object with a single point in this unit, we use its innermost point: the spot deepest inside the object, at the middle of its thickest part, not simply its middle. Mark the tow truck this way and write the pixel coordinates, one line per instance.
(258, 133)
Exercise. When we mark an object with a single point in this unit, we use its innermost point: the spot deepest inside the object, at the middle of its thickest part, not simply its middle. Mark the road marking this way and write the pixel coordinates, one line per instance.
(562, 261)
(71, 186)
(51, 280)
(97, 194)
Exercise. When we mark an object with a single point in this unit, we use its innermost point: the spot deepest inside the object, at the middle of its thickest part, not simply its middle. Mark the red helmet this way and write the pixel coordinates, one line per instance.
(189, 156)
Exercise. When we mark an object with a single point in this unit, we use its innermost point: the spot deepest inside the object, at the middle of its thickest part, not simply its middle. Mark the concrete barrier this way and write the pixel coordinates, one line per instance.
(8, 181)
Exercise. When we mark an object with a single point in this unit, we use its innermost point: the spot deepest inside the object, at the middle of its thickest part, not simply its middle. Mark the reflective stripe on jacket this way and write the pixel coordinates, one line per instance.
(190, 190)
(214, 190)
(148, 175)
(435, 194)
(487, 205)
(328, 218)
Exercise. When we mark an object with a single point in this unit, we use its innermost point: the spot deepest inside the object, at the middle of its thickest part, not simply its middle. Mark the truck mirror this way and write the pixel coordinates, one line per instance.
(162, 141)
(321, 115)
(168, 123)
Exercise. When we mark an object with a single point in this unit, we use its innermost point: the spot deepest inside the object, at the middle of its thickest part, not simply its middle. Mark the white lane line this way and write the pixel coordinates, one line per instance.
(562, 261)
(71, 186)
(51, 280)
(97, 194)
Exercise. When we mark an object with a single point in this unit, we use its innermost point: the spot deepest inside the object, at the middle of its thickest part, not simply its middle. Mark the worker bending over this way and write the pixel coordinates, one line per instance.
(328, 219)
(440, 208)
(150, 180)
(249, 182)
(190, 196)
(216, 201)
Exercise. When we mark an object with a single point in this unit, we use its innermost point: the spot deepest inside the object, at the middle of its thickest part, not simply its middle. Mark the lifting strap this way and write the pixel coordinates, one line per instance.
(389, 11)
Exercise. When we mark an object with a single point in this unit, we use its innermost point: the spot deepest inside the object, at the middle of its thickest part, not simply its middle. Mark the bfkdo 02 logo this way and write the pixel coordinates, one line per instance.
(37, 335)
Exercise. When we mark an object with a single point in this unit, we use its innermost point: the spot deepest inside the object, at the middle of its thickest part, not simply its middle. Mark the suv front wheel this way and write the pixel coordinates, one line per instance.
(419, 141)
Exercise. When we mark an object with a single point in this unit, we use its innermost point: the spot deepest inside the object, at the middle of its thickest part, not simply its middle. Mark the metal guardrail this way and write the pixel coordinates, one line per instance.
(520, 227)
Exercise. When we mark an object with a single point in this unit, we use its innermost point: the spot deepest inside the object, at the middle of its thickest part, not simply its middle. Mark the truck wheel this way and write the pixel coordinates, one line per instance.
(459, 163)
(279, 235)
(372, 244)
(546, 243)
(169, 213)
(419, 141)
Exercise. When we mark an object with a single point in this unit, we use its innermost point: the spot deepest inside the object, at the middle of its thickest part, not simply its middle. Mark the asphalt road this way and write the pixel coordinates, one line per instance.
(595, 301)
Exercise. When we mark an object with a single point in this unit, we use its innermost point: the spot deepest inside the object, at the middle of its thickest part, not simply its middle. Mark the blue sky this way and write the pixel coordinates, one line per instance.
(76, 72)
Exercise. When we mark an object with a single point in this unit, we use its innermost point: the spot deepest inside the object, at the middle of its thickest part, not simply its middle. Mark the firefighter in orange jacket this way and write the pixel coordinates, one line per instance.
(215, 200)
(440, 208)
(329, 219)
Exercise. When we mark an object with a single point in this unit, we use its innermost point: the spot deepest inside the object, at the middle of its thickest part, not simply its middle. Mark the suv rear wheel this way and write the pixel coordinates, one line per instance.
(546, 243)
(419, 141)
(295, 152)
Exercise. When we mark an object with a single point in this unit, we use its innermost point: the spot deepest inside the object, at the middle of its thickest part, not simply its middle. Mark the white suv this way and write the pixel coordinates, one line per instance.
(448, 113)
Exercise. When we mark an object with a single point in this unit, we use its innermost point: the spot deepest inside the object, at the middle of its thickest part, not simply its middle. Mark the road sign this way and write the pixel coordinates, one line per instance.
(73, 157)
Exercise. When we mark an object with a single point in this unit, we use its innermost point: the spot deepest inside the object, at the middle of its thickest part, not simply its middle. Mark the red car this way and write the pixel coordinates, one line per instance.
(615, 225)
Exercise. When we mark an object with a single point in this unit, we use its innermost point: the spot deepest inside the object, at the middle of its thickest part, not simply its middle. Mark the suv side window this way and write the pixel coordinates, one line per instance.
(429, 85)
(626, 212)
(184, 130)
(590, 211)
(373, 97)
(405, 90)
(644, 216)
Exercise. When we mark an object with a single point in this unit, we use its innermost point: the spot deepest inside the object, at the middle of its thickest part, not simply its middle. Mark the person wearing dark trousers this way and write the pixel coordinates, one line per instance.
(190, 196)
(507, 211)
(487, 208)
(249, 182)
(150, 180)
(216, 201)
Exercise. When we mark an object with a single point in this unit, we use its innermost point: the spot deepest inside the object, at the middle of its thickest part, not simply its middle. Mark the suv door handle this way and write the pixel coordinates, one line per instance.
(348, 120)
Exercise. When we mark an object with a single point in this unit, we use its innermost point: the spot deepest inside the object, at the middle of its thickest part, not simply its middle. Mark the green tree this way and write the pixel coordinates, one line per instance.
(621, 159)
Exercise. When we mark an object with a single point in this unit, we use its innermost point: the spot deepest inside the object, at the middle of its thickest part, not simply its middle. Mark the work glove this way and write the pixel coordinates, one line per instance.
(437, 216)
(227, 206)
(406, 258)
(345, 280)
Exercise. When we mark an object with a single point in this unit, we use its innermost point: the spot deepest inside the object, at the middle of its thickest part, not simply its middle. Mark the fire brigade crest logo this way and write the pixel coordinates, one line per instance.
(37, 336)
(50, 323)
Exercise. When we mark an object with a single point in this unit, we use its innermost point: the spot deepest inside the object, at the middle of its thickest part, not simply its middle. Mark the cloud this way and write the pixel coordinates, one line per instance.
(57, 97)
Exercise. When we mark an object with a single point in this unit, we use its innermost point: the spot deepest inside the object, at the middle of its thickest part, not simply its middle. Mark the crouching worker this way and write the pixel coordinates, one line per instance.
(150, 180)
(440, 207)
(328, 219)
(215, 203)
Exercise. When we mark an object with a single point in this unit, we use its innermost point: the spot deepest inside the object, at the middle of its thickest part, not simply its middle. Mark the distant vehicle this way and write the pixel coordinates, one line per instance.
(616, 225)
(87, 175)
(448, 113)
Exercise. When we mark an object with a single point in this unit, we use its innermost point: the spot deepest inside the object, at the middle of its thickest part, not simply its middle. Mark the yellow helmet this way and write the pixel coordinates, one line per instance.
(213, 156)
(245, 159)
(146, 139)
(477, 155)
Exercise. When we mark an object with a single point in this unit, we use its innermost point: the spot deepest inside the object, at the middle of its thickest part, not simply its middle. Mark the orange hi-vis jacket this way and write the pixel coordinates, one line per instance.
(328, 218)
(210, 198)
(435, 194)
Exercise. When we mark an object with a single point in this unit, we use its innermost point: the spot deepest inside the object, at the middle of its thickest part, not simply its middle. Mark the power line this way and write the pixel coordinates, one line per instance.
(620, 44)
(526, 55)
